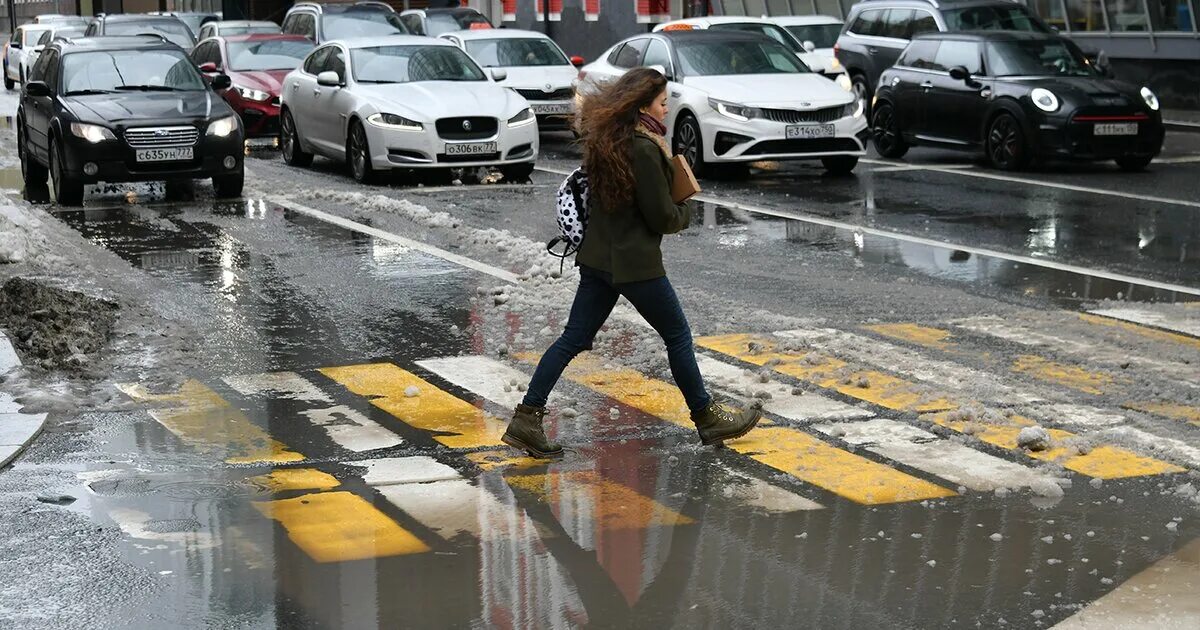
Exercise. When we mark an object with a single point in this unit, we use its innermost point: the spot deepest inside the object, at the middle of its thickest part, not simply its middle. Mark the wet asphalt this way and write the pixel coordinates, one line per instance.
(638, 526)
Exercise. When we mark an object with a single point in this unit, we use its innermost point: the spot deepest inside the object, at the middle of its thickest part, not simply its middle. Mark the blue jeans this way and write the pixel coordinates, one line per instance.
(655, 300)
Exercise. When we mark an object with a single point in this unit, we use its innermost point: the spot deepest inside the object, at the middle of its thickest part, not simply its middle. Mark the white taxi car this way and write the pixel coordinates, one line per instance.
(535, 66)
(735, 98)
(404, 102)
(816, 33)
(23, 39)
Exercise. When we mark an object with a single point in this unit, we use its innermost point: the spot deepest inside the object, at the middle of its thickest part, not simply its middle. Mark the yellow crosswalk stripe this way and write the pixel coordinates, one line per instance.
(1143, 331)
(454, 422)
(1104, 462)
(507, 459)
(782, 448)
(614, 506)
(340, 527)
(286, 479)
(208, 423)
(915, 333)
(868, 385)
(1071, 376)
(1174, 411)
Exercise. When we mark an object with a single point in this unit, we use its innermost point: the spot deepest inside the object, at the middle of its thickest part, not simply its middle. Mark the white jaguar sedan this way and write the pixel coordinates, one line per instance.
(735, 98)
(404, 102)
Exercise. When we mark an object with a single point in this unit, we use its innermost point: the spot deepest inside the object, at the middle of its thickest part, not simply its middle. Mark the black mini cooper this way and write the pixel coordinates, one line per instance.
(125, 109)
(1020, 97)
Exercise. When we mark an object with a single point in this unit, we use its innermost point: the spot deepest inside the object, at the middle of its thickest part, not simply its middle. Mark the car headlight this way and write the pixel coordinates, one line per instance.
(523, 118)
(222, 126)
(1150, 98)
(252, 94)
(843, 80)
(92, 133)
(392, 121)
(1044, 99)
(855, 108)
(737, 112)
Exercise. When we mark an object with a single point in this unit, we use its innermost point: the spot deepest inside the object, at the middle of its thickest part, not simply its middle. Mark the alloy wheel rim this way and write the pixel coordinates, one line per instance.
(687, 142)
(56, 171)
(1004, 142)
(358, 153)
(884, 134)
(288, 139)
(21, 154)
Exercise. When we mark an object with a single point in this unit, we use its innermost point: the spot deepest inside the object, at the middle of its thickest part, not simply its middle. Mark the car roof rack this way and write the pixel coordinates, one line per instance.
(374, 3)
(308, 5)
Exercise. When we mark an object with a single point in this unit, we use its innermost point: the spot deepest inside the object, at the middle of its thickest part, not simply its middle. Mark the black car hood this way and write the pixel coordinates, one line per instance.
(147, 107)
(1081, 87)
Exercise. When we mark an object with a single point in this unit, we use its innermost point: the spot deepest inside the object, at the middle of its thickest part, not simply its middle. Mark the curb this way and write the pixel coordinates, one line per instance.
(1179, 125)
(17, 430)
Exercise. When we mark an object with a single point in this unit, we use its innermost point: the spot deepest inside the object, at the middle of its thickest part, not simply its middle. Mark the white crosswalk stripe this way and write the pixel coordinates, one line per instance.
(745, 385)
(493, 380)
(1180, 319)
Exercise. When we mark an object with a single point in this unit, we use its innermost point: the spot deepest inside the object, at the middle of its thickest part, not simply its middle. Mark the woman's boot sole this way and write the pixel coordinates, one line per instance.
(519, 445)
(721, 440)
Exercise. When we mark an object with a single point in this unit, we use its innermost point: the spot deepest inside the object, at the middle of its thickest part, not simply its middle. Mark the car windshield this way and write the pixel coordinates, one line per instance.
(821, 35)
(119, 70)
(274, 54)
(407, 64)
(33, 34)
(361, 24)
(60, 33)
(709, 58)
(1037, 58)
(439, 23)
(492, 53)
(1006, 17)
(175, 31)
(770, 30)
(254, 28)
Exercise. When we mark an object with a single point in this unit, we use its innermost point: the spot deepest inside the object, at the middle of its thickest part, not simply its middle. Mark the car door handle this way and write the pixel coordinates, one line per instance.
(872, 49)
(985, 93)
(295, 86)
(927, 85)
(316, 92)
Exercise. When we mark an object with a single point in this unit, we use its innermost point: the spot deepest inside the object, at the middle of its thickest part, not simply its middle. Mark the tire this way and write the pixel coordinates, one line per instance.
(840, 164)
(358, 155)
(179, 190)
(9, 84)
(33, 174)
(229, 186)
(688, 142)
(1133, 163)
(885, 132)
(1005, 144)
(517, 173)
(289, 142)
(68, 191)
(861, 89)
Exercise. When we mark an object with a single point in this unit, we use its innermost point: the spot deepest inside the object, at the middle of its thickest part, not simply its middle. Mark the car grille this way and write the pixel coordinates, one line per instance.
(792, 116)
(159, 137)
(452, 128)
(539, 95)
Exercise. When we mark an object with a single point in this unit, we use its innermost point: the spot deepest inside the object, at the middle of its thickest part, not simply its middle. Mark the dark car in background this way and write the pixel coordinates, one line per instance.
(877, 31)
(125, 109)
(326, 22)
(236, 27)
(1017, 96)
(194, 19)
(256, 65)
(168, 27)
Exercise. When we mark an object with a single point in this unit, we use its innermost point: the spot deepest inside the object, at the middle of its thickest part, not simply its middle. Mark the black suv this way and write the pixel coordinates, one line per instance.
(877, 31)
(1018, 96)
(168, 27)
(325, 22)
(125, 109)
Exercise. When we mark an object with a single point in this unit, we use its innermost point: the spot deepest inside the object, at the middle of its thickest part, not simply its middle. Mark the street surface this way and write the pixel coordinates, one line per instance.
(297, 422)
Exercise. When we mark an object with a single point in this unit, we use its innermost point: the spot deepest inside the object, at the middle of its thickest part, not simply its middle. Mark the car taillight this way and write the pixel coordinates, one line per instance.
(836, 48)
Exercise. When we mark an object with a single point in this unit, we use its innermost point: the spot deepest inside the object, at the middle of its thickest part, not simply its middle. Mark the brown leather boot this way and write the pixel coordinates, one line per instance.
(525, 433)
(717, 423)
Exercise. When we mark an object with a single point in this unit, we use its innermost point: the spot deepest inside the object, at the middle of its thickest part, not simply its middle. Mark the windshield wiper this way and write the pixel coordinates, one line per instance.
(149, 88)
(87, 92)
(375, 81)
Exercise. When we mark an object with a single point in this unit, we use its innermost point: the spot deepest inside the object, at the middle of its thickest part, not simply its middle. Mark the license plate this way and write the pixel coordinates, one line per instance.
(552, 108)
(809, 131)
(471, 148)
(174, 154)
(1115, 129)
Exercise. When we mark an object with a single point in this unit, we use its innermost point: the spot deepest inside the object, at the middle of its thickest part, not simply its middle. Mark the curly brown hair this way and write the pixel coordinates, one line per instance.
(607, 119)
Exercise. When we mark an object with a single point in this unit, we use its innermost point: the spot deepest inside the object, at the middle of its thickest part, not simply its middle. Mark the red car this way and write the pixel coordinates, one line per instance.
(256, 64)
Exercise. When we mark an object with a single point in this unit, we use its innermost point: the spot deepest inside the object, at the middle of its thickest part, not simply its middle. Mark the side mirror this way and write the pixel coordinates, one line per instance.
(329, 78)
(221, 82)
(1102, 64)
(577, 61)
(809, 46)
(208, 67)
(959, 73)
(37, 88)
(15, 45)
(499, 75)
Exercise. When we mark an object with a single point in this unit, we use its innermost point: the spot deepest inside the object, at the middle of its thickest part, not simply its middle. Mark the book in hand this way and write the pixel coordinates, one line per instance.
(684, 186)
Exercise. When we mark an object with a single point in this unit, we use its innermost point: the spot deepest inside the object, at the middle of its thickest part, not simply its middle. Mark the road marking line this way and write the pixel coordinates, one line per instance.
(204, 420)
(347, 427)
(807, 407)
(756, 493)
(1172, 410)
(451, 508)
(454, 422)
(1089, 418)
(137, 524)
(900, 236)
(484, 377)
(340, 527)
(925, 451)
(868, 385)
(921, 335)
(1189, 324)
(286, 479)
(614, 506)
(1072, 376)
(387, 471)
(1103, 461)
(507, 458)
(1171, 448)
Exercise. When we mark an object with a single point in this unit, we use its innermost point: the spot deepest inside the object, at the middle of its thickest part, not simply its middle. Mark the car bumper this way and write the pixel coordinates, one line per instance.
(116, 161)
(727, 140)
(558, 114)
(1077, 139)
(260, 120)
(394, 148)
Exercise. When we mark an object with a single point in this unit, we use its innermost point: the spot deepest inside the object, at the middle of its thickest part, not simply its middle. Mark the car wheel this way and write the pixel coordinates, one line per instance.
(858, 85)
(517, 173)
(358, 154)
(1006, 148)
(229, 186)
(885, 132)
(839, 164)
(1133, 164)
(289, 142)
(689, 143)
(68, 191)
(179, 190)
(32, 173)
(9, 84)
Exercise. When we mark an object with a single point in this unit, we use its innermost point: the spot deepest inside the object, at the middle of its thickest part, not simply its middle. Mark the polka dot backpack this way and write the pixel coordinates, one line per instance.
(571, 206)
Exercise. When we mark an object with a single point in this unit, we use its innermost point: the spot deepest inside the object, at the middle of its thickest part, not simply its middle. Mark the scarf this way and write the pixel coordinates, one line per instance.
(651, 123)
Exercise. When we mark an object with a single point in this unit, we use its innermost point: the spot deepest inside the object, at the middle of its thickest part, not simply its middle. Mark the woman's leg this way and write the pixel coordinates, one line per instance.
(656, 301)
(594, 301)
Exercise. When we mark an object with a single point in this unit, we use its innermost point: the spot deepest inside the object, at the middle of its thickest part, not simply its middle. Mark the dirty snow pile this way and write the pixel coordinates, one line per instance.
(20, 234)
(54, 328)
